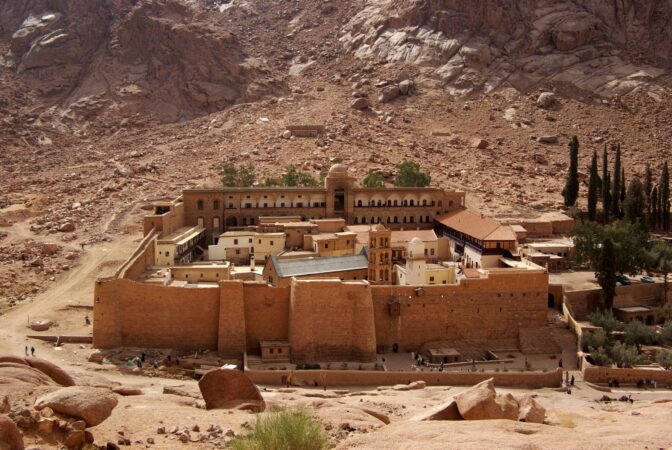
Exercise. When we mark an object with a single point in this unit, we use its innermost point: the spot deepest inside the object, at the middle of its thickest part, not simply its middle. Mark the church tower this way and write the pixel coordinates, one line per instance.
(380, 255)
(416, 262)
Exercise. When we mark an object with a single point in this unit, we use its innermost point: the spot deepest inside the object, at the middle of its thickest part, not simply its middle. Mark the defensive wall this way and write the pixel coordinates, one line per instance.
(324, 320)
(331, 378)
(599, 374)
(582, 302)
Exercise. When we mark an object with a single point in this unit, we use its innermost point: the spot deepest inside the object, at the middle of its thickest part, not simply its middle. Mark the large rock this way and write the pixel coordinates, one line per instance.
(389, 93)
(480, 402)
(10, 436)
(573, 32)
(530, 410)
(222, 388)
(359, 103)
(445, 411)
(546, 100)
(93, 405)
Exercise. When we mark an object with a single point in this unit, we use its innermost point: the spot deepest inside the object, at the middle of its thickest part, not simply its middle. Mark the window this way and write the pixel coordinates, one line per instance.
(279, 350)
(270, 350)
(235, 242)
(359, 203)
(199, 204)
(230, 205)
(250, 240)
(431, 279)
(237, 252)
(167, 253)
(431, 251)
(259, 241)
(326, 245)
(271, 242)
(450, 203)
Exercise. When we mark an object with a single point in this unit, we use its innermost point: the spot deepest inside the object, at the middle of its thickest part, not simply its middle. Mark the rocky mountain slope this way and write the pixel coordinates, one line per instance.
(107, 105)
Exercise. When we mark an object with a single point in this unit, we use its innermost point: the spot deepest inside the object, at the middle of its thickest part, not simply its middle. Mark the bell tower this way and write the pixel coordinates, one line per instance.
(340, 196)
(380, 255)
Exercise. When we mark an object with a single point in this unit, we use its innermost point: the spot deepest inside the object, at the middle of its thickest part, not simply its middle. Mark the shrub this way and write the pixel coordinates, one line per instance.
(596, 339)
(666, 333)
(625, 355)
(636, 333)
(283, 430)
(601, 356)
(606, 320)
(664, 358)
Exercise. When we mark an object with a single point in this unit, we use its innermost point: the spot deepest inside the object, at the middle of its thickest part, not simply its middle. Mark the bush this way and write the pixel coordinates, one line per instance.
(606, 320)
(283, 430)
(636, 333)
(626, 356)
(596, 339)
(666, 333)
(601, 356)
(664, 358)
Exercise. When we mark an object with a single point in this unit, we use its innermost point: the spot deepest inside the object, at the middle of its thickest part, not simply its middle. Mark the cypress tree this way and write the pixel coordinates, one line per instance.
(634, 205)
(623, 190)
(665, 197)
(606, 186)
(616, 188)
(655, 212)
(606, 272)
(648, 186)
(593, 187)
(571, 190)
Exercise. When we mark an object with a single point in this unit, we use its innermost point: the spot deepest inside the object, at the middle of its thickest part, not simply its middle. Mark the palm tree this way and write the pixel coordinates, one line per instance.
(661, 259)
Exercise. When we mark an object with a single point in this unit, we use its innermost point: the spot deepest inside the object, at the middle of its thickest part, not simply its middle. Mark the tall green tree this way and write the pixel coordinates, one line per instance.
(409, 175)
(373, 180)
(661, 261)
(606, 272)
(593, 187)
(665, 197)
(634, 205)
(234, 176)
(627, 252)
(655, 212)
(623, 191)
(571, 190)
(606, 186)
(648, 186)
(616, 187)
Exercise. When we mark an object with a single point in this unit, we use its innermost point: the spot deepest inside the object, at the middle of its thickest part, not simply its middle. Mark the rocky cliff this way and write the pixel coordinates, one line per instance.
(606, 47)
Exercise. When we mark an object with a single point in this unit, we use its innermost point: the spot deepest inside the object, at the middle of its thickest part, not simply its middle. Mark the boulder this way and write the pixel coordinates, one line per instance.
(480, 403)
(405, 87)
(96, 356)
(478, 143)
(223, 388)
(286, 134)
(389, 93)
(359, 103)
(546, 100)
(67, 227)
(530, 410)
(10, 436)
(49, 248)
(126, 391)
(410, 386)
(93, 405)
(508, 405)
(41, 325)
(573, 32)
(445, 411)
(550, 139)
(54, 372)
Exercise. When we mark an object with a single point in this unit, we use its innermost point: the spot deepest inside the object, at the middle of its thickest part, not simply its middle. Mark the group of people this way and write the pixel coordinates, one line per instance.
(32, 351)
(139, 361)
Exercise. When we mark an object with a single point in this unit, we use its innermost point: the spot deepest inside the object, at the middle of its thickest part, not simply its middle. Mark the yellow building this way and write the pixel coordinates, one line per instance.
(179, 247)
(330, 244)
(417, 272)
(267, 244)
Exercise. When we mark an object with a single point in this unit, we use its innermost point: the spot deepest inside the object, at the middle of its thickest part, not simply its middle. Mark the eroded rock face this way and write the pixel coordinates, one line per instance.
(479, 402)
(481, 45)
(222, 389)
(530, 410)
(49, 369)
(93, 405)
(10, 436)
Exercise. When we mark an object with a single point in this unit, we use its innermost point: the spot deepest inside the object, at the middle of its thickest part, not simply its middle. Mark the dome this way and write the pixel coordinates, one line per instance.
(338, 170)
(416, 240)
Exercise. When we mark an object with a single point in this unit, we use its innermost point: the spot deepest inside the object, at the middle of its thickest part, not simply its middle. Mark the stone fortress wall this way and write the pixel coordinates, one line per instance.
(322, 319)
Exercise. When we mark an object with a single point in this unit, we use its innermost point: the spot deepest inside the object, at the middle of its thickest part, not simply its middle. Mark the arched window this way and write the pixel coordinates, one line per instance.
(421, 219)
(424, 202)
(404, 219)
(389, 219)
(396, 220)
(359, 203)
(412, 219)
(215, 204)
(356, 220)
(412, 203)
(427, 219)
(199, 205)
(389, 203)
(363, 219)
(380, 203)
(440, 203)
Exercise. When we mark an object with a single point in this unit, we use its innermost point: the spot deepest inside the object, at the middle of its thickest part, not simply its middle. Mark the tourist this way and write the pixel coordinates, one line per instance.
(567, 377)
(560, 362)
(571, 381)
(142, 357)
(32, 351)
(87, 321)
(26, 350)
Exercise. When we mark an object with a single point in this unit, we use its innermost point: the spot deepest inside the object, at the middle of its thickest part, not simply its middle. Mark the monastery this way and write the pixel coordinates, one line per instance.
(310, 275)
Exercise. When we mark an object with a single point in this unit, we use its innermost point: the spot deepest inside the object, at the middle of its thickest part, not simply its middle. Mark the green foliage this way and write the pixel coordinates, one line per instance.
(625, 252)
(664, 200)
(638, 334)
(284, 430)
(664, 358)
(293, 177)
(327, 164)
(634, 205)
(306, 179)
(666, 333)
(593, 188)
(373, 180)
(233, 176)
(571, 190)
(606, 186)
(626, 356)
(616, 187)
(654, 220)
(660, 259)
(271, 182)
(601, 356)
(605, 320)
(648, 187)
(596, 339)
(409, 175)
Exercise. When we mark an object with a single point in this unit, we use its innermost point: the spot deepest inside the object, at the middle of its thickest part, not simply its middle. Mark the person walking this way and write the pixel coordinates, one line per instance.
(571, 381)
(32, 351)
(26, 350)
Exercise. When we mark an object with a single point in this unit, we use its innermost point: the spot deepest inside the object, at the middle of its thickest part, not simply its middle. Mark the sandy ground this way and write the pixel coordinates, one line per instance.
(575, 421)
